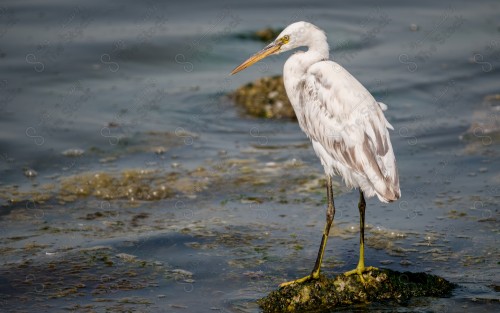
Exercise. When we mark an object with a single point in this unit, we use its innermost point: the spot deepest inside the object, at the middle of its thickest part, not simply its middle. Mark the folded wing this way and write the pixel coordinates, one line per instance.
(340, 114)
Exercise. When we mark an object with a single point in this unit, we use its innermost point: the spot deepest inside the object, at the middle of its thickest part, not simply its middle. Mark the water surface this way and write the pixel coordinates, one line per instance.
(140, 89)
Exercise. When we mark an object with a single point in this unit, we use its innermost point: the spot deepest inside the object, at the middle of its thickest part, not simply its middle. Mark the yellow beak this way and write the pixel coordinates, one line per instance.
(268, 50)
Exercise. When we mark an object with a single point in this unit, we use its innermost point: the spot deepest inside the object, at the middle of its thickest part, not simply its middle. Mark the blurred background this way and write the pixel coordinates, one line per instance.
(130, 180)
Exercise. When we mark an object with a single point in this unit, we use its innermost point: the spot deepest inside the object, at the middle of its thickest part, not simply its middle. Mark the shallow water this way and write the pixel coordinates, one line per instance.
(223, 207)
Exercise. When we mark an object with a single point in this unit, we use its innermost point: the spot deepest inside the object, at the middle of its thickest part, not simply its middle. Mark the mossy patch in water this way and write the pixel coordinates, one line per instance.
(484, 130)
(380, 286)
(265, 97)
(91, 272)
(153, 185)
(265, 34)
(129, 184)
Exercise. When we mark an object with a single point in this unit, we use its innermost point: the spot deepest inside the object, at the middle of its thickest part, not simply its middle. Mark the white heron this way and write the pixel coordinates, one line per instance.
(345, 124)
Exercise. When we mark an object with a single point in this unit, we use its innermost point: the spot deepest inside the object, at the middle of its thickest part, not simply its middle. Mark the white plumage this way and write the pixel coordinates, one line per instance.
(345, 124)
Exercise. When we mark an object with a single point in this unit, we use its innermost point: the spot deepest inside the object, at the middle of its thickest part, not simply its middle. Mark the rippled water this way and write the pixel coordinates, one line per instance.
(141, 87)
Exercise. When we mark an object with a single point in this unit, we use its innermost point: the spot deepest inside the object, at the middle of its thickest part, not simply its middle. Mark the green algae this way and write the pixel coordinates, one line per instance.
(484, 131)
(96, 272)
(129, 184)
(380, 286)
(266, 97)
(265, 35)
(134, 185)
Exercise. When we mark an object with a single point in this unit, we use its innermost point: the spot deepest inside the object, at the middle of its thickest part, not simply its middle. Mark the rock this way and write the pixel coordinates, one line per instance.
(126, 257)
(75, 152)
(485, 126)
(265, 97)
(265, 34)
(414, 27)
(29, 172)
(381, 285)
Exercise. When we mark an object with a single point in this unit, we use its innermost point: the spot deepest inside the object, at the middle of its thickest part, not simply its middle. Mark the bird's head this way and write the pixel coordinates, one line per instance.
(295, 35)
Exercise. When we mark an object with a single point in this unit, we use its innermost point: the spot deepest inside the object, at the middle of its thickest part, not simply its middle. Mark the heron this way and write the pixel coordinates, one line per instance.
(346, 125)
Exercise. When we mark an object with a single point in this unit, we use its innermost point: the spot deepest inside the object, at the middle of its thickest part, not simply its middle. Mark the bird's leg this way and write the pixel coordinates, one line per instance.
(360, 269)
(330, 213)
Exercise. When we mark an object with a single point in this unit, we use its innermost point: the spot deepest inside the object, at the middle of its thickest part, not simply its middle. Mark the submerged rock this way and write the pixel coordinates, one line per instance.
(29, 172)
(74, 152)
(265, 97)
(265, 34)
(381, 285)
(485, 127)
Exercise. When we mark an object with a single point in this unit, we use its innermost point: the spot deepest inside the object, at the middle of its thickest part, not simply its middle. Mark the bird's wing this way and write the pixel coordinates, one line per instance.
(341, 115)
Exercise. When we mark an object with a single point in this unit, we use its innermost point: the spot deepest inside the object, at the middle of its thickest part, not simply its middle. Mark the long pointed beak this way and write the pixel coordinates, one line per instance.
(268, 50)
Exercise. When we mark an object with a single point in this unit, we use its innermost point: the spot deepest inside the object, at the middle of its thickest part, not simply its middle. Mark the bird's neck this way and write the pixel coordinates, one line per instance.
(299, 63)
(313, 56)
(318, 48)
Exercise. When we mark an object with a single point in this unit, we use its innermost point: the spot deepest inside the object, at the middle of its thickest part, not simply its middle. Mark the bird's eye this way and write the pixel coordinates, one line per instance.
(285, 39)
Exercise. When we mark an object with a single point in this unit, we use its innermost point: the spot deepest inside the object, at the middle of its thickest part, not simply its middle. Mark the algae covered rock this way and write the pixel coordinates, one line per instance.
(264, 35)
(485, 126)
(265, 97)
(381, 285)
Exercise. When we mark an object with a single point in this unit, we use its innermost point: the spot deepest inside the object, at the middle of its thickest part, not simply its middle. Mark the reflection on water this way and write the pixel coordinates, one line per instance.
(135, 94)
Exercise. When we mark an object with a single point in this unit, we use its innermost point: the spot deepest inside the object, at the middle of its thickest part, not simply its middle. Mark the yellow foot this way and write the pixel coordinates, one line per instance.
(360, 270)
(298, 281)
